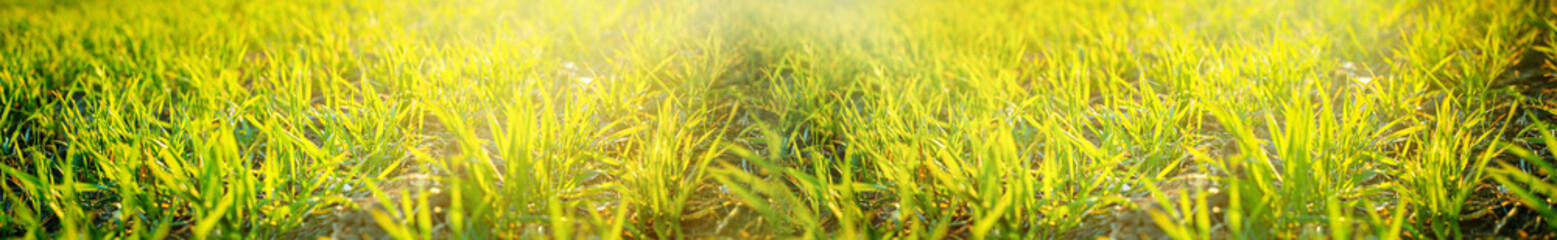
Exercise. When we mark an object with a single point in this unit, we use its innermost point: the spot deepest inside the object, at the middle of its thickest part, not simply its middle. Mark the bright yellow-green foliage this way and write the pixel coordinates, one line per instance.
(804, 118)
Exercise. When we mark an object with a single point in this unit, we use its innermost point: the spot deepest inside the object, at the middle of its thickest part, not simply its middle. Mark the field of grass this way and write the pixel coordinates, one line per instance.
(606, 119)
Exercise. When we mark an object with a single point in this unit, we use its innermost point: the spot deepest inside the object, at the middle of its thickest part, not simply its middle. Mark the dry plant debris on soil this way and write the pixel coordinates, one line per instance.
(482, 119)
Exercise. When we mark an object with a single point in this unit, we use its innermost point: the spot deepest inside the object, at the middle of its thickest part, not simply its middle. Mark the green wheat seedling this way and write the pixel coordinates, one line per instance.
(1530, 182)
(986, 119)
